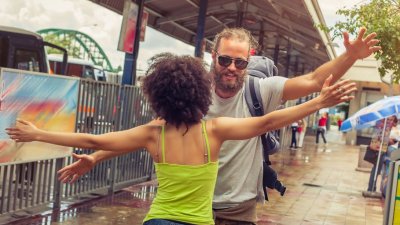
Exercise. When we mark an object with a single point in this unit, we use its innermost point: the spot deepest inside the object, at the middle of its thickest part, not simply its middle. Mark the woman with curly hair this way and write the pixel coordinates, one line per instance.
(184, 146)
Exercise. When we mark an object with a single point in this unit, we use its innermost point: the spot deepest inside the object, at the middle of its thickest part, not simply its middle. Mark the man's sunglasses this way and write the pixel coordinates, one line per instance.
(225, 61)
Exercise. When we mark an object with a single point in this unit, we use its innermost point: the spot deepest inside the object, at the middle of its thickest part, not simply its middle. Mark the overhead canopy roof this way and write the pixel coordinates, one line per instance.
(287, 23)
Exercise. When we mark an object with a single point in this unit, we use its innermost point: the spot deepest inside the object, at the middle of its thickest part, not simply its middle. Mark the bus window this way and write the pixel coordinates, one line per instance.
(74, 70)
(55, 67)
(75, 67)
(26, 60)
(89, 73)
(99, 74)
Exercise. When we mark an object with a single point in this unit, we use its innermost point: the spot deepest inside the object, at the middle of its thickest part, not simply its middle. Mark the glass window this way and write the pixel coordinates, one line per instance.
(26, 60)
(74, 70)
(89, 73)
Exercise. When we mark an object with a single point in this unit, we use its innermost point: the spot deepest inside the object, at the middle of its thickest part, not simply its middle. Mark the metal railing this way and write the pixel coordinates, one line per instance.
(102, 107)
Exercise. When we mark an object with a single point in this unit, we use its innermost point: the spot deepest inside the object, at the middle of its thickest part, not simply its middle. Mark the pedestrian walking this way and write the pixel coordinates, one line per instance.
(321, 129)
(294, 127)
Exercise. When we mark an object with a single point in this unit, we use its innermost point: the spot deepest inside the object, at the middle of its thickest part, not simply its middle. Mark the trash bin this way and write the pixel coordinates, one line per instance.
(363, 166)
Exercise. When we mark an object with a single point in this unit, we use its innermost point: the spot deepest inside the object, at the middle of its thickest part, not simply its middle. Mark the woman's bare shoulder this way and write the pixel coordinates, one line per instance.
(153, 127)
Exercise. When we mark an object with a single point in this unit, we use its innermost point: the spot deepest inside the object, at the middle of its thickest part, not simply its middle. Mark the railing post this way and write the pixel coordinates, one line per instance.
(57, 190)
(113, 170)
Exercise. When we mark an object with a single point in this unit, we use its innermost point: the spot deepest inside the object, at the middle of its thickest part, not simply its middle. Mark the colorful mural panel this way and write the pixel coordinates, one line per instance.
(48, 101)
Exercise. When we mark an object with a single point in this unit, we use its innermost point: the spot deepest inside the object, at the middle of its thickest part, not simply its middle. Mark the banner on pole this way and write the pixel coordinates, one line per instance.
(128, 27)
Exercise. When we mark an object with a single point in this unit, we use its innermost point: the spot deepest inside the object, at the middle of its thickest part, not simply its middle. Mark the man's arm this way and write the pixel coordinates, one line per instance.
(358, 49)
(222, 127)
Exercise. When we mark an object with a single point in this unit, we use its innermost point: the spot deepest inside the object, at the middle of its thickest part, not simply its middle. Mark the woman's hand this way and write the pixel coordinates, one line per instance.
(336, 93)
(23, 131)
(71, 173)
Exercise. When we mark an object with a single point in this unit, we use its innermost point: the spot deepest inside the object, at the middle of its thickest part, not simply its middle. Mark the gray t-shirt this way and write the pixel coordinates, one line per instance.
(240, 162)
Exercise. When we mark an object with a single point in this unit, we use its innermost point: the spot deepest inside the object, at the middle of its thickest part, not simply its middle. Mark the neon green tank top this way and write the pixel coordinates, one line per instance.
(185, 192)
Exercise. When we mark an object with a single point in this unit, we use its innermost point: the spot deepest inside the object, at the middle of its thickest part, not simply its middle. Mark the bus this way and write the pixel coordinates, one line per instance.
(25, 50)
(77, 68)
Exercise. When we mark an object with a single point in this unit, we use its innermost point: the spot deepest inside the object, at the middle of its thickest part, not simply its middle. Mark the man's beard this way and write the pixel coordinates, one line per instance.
(225, 86)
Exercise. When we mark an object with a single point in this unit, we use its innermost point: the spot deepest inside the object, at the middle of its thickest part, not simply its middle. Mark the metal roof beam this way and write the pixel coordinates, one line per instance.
(157, 14)
(208, 10)
(286, 5)
(283, 22)
(187, 14)
(281, 29)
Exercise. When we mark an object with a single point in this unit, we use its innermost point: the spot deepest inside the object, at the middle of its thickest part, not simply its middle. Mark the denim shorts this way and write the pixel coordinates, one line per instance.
(164, 222)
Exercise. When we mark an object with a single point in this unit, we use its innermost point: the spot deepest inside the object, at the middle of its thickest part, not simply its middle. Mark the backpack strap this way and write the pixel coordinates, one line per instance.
(254, 103)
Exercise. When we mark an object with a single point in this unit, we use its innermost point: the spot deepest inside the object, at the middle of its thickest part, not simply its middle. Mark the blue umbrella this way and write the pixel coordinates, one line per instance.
(367, 116)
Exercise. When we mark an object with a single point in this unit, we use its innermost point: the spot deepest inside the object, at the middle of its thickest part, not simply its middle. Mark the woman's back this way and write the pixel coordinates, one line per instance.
(186, 176)
(183, 147)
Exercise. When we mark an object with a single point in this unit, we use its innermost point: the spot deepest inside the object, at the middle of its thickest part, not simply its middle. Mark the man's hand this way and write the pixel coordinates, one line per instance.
(71, 173)
(361, 47)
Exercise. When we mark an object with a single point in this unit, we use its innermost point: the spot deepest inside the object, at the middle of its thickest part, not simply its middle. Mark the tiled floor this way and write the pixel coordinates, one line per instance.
(323, 188)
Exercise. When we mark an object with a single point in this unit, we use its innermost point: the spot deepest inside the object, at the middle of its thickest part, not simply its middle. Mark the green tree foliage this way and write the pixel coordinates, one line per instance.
(382, 17)
(65, 41)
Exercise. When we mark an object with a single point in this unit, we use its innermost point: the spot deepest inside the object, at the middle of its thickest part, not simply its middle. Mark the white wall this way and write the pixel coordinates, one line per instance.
(364, 70)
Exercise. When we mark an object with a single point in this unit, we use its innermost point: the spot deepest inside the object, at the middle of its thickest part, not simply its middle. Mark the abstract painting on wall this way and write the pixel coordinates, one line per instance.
(48, 101)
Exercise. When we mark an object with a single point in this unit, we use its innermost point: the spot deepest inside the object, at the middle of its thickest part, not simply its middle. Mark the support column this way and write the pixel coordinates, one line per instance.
(296, 65)
(288, 59)
(201, 21)
(260, 51)
(240, 14)
(276, 51)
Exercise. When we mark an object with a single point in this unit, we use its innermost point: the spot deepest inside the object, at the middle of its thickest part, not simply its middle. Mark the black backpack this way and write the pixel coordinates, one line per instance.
(261, 67)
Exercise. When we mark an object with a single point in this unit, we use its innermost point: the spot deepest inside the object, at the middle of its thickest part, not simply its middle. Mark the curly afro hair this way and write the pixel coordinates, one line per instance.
(178, 88)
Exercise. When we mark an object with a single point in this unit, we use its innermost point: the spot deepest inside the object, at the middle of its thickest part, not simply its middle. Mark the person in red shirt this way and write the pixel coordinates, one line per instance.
(339, 123)
(322, 127)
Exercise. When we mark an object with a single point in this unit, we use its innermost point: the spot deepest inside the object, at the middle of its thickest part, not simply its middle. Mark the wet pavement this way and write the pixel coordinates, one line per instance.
(323, 188)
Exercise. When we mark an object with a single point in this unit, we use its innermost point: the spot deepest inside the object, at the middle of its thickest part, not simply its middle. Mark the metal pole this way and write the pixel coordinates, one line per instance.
(240, 14)
(57, 191)
(276, 51)
(137, 39)
(201, 21)
(288, 59)
(129, 74)
(379, 155)
(261, 39)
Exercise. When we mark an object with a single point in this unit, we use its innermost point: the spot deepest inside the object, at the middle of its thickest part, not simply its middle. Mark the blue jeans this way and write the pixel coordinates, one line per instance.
(164, 222)
(320, 131)
(371, 176)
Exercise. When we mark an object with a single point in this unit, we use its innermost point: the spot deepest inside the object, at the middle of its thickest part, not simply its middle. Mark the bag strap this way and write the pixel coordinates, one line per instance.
(254, 103)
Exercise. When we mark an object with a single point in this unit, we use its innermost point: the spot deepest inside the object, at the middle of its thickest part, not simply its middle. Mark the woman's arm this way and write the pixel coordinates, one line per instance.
(83, 164)
(121, 141)
(243, 128)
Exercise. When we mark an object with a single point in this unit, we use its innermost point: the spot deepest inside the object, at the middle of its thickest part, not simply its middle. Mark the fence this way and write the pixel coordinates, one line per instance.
(102, 107)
